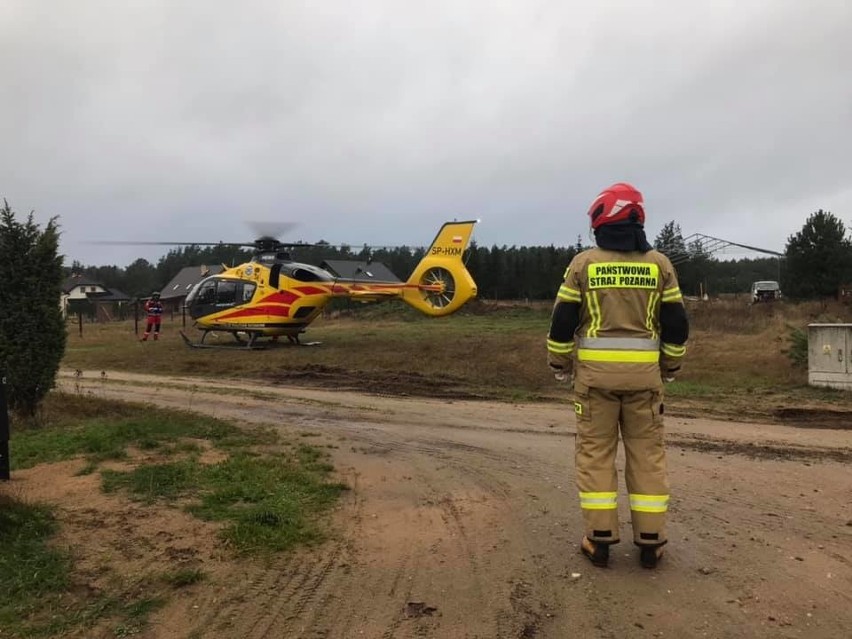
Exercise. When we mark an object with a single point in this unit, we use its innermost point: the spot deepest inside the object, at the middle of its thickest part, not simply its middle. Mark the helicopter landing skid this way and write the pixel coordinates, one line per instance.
(250, 344)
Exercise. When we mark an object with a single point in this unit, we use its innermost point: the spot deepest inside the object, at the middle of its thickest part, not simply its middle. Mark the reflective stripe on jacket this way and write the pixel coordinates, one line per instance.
(617, 344)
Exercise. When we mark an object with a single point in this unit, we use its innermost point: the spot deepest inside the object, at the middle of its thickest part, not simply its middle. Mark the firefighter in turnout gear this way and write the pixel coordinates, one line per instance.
(154, 314)
(619, 330)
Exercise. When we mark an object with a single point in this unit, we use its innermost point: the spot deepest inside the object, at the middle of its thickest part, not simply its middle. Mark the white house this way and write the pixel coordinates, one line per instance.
(80, 288)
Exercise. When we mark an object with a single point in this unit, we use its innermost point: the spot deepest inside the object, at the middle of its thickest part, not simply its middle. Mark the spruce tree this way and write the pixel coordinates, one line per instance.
(32, 331)
(670, 241)
(819, 258)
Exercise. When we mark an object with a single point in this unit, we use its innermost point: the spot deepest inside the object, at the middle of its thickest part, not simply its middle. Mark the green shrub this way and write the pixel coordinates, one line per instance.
(798, 349)
(32, 331)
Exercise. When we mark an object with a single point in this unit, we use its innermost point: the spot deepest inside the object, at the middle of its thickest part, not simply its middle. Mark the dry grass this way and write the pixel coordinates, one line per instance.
(746, 343)
(736, 350)
(739, 317)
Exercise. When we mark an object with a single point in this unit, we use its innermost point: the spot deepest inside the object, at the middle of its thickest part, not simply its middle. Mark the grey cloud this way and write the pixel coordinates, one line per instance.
(374, 122)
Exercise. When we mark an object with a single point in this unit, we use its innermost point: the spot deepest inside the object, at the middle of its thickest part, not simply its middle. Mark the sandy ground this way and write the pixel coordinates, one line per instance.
(463, 522)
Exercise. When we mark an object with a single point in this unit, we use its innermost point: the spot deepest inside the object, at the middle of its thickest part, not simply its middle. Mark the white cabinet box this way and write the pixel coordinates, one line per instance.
(829, 355)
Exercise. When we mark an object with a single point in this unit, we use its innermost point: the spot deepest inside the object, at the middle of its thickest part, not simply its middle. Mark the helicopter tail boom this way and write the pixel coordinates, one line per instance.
(440, 283)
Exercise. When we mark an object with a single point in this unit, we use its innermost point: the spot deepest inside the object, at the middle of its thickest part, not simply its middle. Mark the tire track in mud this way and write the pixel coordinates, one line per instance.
(313, 596)
(516, 615)
(247, 600)
(289, 610)
(412, 563)
(332, 605)
(519, 616)
(416, 566)
(768, 450)
(272, 600)
(314, 611)
(398, 618)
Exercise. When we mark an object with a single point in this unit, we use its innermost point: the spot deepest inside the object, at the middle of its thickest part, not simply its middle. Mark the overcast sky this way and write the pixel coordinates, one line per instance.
(375, 121)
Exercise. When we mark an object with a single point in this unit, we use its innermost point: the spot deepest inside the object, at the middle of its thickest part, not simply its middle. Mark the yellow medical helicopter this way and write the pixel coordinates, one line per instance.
(273, 296)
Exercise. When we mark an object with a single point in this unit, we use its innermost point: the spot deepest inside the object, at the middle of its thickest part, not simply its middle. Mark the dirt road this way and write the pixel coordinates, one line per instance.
(463, 521)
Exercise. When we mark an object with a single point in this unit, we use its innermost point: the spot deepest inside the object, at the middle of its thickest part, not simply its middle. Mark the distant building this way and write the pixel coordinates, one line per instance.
(78, 287)
(174, 293)
(355, 270)
(83, 295)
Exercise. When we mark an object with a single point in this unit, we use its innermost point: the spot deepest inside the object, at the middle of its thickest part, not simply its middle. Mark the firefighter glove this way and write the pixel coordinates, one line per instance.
(560, 374)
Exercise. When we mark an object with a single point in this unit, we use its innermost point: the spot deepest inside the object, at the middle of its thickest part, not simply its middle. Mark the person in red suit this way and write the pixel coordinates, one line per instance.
(154, 313)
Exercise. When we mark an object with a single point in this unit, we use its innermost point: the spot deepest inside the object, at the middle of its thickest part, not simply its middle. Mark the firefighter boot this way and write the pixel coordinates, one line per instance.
(649, 556)
(596, 552)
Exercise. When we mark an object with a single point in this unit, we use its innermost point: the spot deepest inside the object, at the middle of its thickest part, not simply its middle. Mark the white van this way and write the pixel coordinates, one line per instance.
(765, 292)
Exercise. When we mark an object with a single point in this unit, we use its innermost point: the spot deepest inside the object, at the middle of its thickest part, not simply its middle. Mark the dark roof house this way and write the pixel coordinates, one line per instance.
(182, 283)
(111, 295)
(356, 270)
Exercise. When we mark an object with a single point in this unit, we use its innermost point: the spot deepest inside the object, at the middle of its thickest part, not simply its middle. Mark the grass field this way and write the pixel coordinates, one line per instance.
(736, 364)
(260, 493)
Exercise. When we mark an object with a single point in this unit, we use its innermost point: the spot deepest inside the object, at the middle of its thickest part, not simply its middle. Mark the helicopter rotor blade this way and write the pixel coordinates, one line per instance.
(144, 243)
(271, 229)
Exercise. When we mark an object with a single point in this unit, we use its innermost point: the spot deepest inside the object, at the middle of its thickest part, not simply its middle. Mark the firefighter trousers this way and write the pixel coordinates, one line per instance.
(638, 414)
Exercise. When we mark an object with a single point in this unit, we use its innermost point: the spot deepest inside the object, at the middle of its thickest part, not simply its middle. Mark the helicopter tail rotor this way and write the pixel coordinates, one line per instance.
(440, 284)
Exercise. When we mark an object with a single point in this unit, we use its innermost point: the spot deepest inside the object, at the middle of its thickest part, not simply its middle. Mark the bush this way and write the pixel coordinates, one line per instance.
(798, 350)
(32, 332)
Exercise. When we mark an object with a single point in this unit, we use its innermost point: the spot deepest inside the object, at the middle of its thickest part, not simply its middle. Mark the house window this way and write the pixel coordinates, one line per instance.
(93, 289)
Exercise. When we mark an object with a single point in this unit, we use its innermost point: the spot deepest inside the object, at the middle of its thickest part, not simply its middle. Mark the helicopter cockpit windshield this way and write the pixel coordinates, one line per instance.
(216, 294)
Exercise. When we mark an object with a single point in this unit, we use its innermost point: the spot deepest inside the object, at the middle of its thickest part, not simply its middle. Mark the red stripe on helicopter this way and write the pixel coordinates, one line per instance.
(278, 311)
(279, 297)
(312, 290)
(338, 288)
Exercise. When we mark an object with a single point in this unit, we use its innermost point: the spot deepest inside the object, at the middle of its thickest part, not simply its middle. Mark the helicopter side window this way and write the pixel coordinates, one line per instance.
(304, 275)
(307, 273)
(248, 292)
(226, 293)
(207, 293)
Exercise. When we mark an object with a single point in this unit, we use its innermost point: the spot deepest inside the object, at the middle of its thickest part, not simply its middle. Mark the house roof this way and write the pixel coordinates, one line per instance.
(111, 295)
(182, 283)
(74, 281)
(362, 271)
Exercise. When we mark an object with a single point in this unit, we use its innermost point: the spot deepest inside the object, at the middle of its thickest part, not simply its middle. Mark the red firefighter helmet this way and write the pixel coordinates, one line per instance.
(620, 202)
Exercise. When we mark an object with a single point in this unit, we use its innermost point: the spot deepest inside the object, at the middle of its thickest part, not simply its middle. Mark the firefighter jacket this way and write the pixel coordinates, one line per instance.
(154, 310)
(619, 320)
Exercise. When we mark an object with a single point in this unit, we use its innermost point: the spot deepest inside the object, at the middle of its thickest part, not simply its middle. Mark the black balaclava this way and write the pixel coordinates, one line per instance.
(622, 236)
